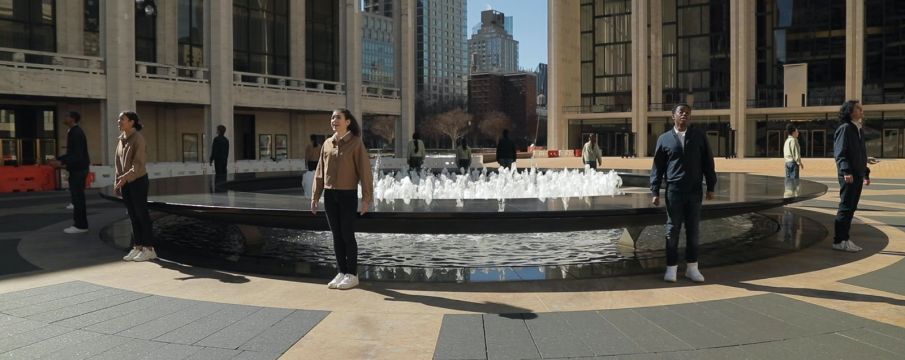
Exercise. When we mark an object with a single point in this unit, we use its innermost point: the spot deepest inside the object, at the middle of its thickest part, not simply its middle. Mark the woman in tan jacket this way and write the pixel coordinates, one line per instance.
(342, 166)
(132, 184)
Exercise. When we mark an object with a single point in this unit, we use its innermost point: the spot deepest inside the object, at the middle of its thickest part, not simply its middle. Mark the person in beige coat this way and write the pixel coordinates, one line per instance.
(342, 166)
(132, 183)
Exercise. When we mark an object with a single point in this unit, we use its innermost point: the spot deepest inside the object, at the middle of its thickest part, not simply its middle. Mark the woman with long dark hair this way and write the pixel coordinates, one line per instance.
(132, 184)
(343, 166)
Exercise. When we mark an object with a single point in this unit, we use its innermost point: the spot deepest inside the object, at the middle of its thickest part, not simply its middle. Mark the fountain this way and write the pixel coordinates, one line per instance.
(480, 226)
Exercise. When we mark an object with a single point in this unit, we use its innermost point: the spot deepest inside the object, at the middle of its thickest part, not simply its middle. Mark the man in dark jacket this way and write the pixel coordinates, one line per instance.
(505, 150)
(220, 151)
(76, 161)
(683, 157)
(852, 170)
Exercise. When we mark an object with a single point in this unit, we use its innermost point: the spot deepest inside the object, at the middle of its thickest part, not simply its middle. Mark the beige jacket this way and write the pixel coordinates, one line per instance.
(131, 157)
(343, 164)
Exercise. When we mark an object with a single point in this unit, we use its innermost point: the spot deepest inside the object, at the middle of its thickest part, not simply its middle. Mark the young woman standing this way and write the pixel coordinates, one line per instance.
(342, 167)
(132, 184)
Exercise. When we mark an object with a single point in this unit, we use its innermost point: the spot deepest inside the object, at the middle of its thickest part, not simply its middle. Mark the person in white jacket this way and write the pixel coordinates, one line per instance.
(590, 152)
(791, 151)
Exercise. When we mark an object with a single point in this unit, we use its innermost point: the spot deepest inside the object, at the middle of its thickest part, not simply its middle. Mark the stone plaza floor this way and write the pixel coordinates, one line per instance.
(71, 297)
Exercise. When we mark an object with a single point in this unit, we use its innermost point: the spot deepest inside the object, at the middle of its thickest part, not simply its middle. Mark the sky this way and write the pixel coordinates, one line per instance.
(530, 26)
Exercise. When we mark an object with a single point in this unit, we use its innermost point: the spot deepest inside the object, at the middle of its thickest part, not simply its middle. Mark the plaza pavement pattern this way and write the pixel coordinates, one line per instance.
(71, 297)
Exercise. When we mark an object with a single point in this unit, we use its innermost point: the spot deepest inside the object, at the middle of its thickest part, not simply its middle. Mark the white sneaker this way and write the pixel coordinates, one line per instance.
(671, 273)
(74, 230)
(349, 281)
(693, 273)
(70, 206)
(145, 255)
(847, 246)
(336, 279)
(132, 254)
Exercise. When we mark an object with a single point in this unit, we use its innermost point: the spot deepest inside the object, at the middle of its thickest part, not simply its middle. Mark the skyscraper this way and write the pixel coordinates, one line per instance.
(378, 47)
(492, 48)
(441, 53)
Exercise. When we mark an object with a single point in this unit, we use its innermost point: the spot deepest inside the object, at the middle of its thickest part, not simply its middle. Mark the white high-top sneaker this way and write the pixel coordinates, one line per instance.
(349, 281)
(693, 273)
(132, 254)
(671, 273)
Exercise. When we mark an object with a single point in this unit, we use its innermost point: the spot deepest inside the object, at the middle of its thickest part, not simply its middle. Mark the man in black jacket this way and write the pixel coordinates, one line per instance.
(76, 161)
(852, 170)
(505, 150)
(683, 157)
(220, 151)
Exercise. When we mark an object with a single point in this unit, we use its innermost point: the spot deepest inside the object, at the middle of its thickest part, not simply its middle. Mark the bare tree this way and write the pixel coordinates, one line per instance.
(453, 124)
(492, 124)
(384, 127)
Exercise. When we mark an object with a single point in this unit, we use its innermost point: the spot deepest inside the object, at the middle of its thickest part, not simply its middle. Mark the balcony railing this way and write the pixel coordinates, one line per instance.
(706, 105)
(245, 79)
(597, 108)
(812, 100)
(41, 60)
(894, 98)
(379, 92)
(145, 70)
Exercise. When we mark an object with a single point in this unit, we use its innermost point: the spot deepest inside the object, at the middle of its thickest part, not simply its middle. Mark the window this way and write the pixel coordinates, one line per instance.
(606, 55)
(145, 36)
(322, 40)
(191, 33)
(261, 36)
(92, 28)
(28, 24)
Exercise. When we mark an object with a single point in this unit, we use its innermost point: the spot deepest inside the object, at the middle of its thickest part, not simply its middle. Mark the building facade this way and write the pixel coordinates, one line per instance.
(747, 67)
(514, 95)
(378, 65)
(492, 49)
(270, 71)
(441, 56)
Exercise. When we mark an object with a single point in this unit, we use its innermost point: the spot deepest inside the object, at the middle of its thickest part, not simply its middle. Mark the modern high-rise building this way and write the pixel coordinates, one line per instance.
(513, 94)
(441, 58)
(270, 71)
(378, 50)
(492, 49)
(617, 68)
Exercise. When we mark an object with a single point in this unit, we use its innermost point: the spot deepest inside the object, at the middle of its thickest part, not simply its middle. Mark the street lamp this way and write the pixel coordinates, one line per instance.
(149, 6)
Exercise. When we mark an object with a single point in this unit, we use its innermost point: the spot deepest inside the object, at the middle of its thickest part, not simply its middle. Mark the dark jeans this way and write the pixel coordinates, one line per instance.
(592, 164)
(682, 208)
(219, 167)
(341, 207)
(77, 179)
(135, 196)
(506, 163)
(792, 170)
(415, 163)
(464, 164)
(849, 194)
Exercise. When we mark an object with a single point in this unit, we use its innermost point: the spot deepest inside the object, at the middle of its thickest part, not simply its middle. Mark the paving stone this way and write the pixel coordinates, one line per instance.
(240, 332)
(835, 346)
(254, 355)
(173, 352)
(10, 260)
(165, 324)
(767, 350)
(282, 335)
(27, 311)
(890, 279)
(650, 337)
(601, 336)
(18, 327)
(214, 354)
(133, 349)
(48, 346)
(9, 320)
(30, 222)
(807, 318)
(871, 337)
(30, 337)
(139, 317)
(765, 327)
(206, 326)
(734, 331)
(87, 307)
(112, 312)
(88, 349)
(43, 294)
(555, 337)
(461, 337)
(508, 338)
(690, 332)
(723, 353)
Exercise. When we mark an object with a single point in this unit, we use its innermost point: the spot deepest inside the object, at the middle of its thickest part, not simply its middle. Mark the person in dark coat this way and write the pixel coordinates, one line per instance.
(77, 162)
(220, 151)
(684, 159)
(505, 150)
(853, 173)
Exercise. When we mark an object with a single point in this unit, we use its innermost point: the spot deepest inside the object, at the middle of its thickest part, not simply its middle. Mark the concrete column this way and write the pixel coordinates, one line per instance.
(70, 29)
(118, 32)
(854, 48)
(404, 17)
(741, 65)
(297, 41)
(656, 52)
(351, 23)
(218, 45)
(168, 32)
(564, 81)
(640, 73)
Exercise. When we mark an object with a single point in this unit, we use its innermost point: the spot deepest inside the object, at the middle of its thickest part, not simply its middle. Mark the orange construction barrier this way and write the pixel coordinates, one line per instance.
(27, 178)
(552, 153)
(577, 152)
